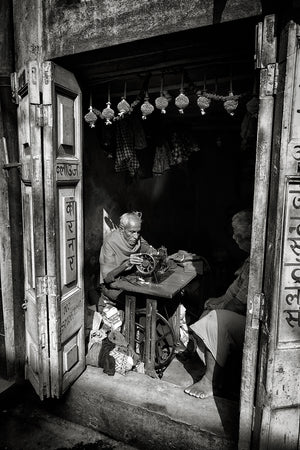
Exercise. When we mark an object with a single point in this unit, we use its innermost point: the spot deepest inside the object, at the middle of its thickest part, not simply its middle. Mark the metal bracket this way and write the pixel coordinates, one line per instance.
(43, 115)
(12, 165)
(269, 80)
(257, 309)
(46, 286)
(14, 87)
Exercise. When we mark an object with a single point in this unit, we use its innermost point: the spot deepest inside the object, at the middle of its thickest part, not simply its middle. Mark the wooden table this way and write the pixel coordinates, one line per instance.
(172, 282)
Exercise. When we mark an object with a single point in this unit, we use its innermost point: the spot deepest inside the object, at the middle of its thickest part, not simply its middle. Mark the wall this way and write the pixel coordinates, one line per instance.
(74, 26)
(27, 31)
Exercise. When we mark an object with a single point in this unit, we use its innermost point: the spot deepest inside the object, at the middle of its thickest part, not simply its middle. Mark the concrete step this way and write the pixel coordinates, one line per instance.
(25, 424)
(148, 413)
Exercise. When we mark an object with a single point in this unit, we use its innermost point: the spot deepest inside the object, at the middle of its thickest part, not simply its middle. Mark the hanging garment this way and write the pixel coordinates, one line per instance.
(182, 146)
(139, 136)
(162, 160)
(249, 125)
(126, 159)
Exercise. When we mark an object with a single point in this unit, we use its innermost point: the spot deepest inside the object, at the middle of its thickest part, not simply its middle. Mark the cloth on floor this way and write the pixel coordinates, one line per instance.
(111, 317)
(122, 347)
(123, 363)
(106, 361)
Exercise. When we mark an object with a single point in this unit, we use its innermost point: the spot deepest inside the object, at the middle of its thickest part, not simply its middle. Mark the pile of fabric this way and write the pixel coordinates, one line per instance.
(108, 348)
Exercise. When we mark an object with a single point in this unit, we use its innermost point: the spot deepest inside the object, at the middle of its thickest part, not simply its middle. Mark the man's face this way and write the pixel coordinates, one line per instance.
(244, 244)
(132, 233)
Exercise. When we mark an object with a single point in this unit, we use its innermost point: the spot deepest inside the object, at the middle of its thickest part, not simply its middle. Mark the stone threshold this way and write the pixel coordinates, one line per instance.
(148, 413)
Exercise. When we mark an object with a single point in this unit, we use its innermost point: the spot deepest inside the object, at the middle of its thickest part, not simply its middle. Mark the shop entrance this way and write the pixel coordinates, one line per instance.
(187, 202)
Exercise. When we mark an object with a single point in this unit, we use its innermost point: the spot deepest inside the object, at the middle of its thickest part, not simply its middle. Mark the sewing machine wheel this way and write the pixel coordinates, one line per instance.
(165, 339)
(147, 266)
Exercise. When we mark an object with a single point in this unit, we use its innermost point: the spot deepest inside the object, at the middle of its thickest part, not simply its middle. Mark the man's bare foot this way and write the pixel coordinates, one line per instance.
(201, 389)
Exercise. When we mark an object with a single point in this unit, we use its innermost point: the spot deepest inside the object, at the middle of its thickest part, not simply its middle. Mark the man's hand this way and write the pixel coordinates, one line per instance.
(135, 259)
(214, 303)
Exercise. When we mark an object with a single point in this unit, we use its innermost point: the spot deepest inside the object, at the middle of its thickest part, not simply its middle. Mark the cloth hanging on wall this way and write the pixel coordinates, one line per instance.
(249, 124)
(163, 159)
(126, 159)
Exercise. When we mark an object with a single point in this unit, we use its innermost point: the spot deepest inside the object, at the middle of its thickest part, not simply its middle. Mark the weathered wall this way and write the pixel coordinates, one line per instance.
(27, 31)
(73, 26)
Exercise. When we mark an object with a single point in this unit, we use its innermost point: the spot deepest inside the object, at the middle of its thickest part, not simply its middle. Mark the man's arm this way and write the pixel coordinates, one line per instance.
(113, 274)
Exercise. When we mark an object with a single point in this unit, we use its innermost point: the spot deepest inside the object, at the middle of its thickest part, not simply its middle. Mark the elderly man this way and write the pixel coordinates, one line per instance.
(222, 325)
(118, 252)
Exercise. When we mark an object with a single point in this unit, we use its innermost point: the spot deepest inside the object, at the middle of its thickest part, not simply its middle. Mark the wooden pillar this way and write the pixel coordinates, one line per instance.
(11, 254)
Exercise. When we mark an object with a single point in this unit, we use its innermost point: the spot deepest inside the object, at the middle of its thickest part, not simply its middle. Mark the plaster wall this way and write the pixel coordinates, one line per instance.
(27, 31)
(56, 28)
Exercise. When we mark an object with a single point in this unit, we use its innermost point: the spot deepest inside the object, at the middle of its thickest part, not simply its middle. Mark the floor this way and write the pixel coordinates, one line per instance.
(26, 425)
(132, 409)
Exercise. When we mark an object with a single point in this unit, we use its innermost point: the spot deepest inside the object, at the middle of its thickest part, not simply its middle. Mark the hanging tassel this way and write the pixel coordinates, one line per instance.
(202, 101)
(146, 107)
(123, 107)
(91, 117)
(181, 101)
(108, 113)
(231, 104)
(161, 102)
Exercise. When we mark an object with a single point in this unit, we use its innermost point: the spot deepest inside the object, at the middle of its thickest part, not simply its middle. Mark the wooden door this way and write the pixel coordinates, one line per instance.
(277, 415)
(266, 67)
(35, 284)
(63, 224)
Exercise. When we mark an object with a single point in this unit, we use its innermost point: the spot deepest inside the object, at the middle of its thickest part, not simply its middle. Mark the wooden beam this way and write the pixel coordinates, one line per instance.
(6, 260)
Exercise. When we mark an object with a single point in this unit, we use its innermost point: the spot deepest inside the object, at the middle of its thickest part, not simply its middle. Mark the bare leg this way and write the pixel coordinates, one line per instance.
(204, 387)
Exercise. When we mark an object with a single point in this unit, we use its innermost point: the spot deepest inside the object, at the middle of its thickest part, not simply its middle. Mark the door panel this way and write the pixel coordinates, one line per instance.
(265, 63)
(64, 230)
(35, 302)
(278, 398)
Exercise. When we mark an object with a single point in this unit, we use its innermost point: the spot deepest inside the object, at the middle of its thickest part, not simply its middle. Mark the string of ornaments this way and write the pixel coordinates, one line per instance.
(204, 99)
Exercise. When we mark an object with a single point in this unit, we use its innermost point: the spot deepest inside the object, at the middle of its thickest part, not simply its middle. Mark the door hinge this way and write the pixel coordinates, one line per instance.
(253, 417)
(257, 310)
(269, 80)
(46, 286)
(14, 87)
(276, 74)
(43, 115)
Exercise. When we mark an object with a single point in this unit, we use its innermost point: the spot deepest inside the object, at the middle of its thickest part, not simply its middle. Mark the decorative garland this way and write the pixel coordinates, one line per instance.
(181, 101)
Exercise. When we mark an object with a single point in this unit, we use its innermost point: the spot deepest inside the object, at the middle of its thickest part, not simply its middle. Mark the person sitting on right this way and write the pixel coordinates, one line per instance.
(222, 324)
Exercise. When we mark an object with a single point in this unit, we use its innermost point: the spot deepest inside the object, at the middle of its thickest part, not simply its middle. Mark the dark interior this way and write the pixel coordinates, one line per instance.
(190, 205)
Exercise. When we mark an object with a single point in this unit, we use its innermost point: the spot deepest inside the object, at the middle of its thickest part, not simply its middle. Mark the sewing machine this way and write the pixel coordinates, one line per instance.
(153, 265)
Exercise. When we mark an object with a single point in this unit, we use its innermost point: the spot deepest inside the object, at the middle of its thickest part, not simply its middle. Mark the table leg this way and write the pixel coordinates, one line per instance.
(175, 322)
(150, 337)
(130, 302)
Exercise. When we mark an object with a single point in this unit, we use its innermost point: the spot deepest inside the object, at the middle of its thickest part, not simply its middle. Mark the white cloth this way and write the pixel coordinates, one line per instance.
(220, 331)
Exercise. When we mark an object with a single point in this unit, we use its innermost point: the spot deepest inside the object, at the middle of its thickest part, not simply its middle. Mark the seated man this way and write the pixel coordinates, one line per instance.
(222, 325)
(118, 252)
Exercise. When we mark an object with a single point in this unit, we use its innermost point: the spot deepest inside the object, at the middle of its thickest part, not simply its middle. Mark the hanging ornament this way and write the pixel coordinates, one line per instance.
(146, 108)
(123, 106)
(161, 102)
(231, 103)
(108, 113)
(181, 101)
(202, 101)
(91, 117)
